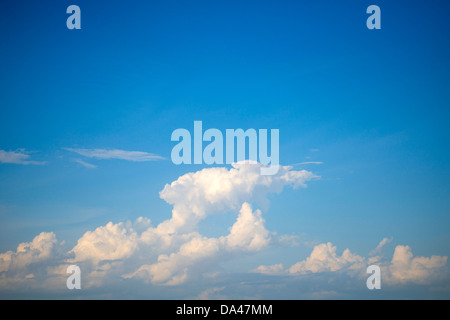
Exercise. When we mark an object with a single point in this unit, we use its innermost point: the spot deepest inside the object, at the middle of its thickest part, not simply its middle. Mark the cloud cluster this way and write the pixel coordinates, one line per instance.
(195, 196)
(174, 251)
(248, 233)
(27, 253)
(171, 252)
(198, 194)
(403, 268)
(32, 264)
(324, 258)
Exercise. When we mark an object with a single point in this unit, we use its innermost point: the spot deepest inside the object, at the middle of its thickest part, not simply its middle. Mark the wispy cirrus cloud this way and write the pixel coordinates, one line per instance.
(20, 156)
(308, 162)
(85, 164)
(380, 246)
(105, 154)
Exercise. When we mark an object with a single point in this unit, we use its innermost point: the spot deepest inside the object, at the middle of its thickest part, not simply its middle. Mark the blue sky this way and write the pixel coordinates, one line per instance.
(370, 105)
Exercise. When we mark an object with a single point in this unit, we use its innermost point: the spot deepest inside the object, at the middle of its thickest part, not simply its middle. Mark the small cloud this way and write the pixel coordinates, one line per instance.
(275, 269)
(307, 162)
(312, 162)
(85, 164)
(380, 246)
(105, 154)
(20, 156)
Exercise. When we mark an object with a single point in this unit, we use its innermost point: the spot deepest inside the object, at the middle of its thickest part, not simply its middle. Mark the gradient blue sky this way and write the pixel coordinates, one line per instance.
(372, 105)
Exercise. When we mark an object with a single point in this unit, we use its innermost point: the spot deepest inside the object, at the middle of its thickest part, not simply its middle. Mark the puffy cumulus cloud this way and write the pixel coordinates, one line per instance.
(198, 194)
(324, 258)
(109, 242)
(39, 249)
(173, 269)
(174, 250)
(248, 233)
(29, 264)
(195, 196)
(108, 251)
(403, 268)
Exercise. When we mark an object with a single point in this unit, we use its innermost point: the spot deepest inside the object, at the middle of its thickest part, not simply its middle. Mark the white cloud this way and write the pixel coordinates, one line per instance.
(85, 164)
(403, 268)
(195, 196)
(248, 233)
(324, 258)
(174, 251)
(40, 248)
(208, 191)
(173, 269)
(20, 156)
(103, 154)
(275, 269)
(308, 162)
(380, 246)
(109, 242)
(28, 265)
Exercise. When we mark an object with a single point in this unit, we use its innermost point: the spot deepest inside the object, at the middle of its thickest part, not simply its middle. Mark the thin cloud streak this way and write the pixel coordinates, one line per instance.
(85, 164)
(106, 154)
(307, 162)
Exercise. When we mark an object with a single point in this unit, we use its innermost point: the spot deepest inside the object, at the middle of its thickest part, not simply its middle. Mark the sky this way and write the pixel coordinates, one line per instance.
(86, 176)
